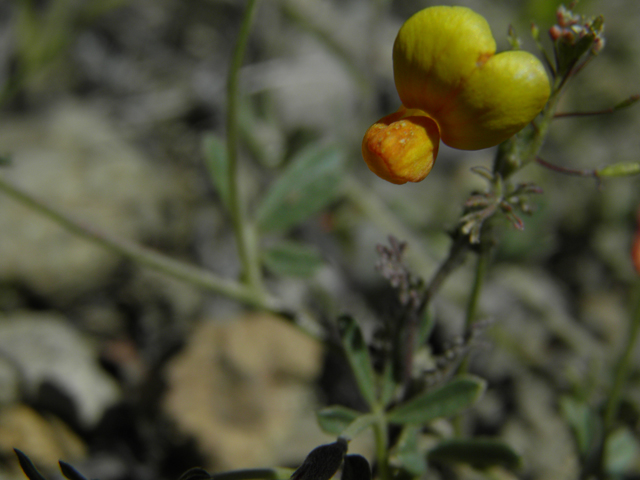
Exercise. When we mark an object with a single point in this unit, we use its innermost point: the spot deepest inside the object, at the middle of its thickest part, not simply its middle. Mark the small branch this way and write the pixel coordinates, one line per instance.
(142, 255)
(481, 270)
(568, 171)
(245, 236)
(457, 252)
(624, 104)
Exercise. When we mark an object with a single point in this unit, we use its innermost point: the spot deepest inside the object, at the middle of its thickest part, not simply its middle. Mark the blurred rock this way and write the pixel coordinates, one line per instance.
(44, 440)
(72, 158)
(243, 389)
(58, 367)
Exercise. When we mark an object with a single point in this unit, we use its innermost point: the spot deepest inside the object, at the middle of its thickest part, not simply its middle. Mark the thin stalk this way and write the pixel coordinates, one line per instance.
(474, 298)
(542, 127)
(243, 230)
(457, 253)
(142, 255)
(624, 363)
(382, 448)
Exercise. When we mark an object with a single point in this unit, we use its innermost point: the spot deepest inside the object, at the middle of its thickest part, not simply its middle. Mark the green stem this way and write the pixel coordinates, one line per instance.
(382, 448)
(481, 270)
(244, 232)
(142, 255)
(623, 365)
(543, 125)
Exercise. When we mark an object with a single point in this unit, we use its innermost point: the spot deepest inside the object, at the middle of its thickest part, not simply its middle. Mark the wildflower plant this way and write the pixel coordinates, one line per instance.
(454, 88)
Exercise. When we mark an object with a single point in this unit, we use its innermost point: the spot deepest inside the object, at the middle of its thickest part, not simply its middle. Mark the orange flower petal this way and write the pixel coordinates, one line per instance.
(401, 147)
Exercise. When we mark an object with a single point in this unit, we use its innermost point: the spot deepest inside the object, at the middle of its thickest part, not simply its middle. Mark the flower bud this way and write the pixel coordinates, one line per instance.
(401, 147)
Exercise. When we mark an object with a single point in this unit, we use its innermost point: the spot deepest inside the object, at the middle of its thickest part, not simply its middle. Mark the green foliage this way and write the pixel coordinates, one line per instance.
(406, 454)
(357, 353)
(585, 423)
(335, 419)
(309, 183)
(480, 453)
(448, 400)
(292, 259)
(215, 155)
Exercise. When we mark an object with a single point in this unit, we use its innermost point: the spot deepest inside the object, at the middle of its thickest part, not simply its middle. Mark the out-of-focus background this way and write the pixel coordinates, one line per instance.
(128, 374)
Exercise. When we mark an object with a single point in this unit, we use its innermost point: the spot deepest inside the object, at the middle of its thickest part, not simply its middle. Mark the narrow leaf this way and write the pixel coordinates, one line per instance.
(215, 155)
(307, 185)
(358, 426)
(358, 356)
(69, 472)
(335, 419)
(28, 467)
(619, 170)
(586, 425)
(448, 400)
(406, 455)
(478, 452)
(621, 452)
(292, 259)
(627, 102)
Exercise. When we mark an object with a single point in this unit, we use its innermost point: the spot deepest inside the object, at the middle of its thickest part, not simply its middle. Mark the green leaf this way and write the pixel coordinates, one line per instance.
(621, 451)
(623, 169)
(69, 472)
(335, 419)
(586, 425)
(480, 453)
(28, 467)
(358, 426)
(292, 259)
(388, 384)
(448, 400)
(215, 155)
(357, 354)
(406, 455)
(309, 183)
(5, 159)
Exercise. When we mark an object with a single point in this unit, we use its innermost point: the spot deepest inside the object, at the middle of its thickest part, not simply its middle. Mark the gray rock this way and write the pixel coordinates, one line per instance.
(73, 159)
(44, 348)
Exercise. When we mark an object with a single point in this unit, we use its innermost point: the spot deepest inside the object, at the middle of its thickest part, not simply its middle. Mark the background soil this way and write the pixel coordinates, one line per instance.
(127, 374)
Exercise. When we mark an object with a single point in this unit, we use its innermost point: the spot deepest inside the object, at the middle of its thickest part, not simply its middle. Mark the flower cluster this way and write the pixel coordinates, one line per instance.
(454, 87)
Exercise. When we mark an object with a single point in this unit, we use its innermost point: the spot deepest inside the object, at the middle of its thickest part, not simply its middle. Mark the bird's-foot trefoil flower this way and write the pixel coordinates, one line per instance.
(454, 87)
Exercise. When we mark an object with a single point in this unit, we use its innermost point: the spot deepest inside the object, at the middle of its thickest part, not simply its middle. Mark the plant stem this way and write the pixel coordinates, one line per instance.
(244, 232)
(457, 252)
(622, 368)
(382, 454)
(142, 255)
(481, 269)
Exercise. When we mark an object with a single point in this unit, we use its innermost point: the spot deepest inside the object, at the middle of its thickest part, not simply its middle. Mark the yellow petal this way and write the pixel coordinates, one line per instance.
(401, 147)
(445, 65)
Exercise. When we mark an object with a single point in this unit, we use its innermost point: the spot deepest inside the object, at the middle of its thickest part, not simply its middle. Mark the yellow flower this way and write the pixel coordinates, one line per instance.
(446, 69)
